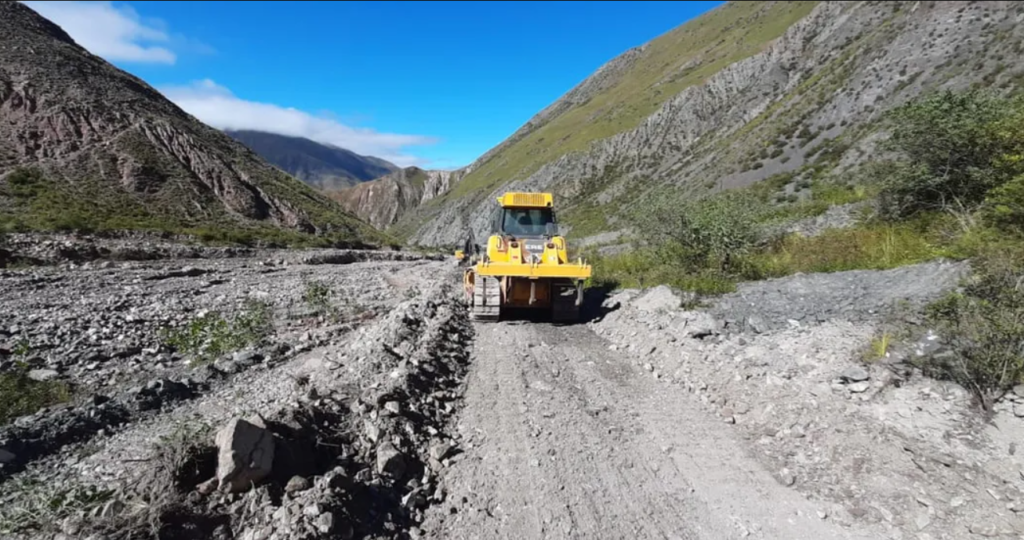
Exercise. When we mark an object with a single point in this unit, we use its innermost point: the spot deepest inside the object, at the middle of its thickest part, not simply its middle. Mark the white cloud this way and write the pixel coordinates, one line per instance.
(216, 106)
(114, 33)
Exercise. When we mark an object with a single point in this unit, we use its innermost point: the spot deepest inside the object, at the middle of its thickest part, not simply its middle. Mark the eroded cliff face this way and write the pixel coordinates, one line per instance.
(821, 83)
(97, 129)
(383, 201)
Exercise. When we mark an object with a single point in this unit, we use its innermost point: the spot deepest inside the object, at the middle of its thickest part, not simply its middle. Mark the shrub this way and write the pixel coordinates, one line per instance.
(984, 326)
(21, 395)
(206, 338)
(317, 296)
(708, 232)
(957, 147)
(1004, 206)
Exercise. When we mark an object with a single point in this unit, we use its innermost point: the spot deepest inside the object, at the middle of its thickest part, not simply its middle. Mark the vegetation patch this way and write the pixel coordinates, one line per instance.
(21, 395)
(30, 201)
(212, 335)
(954, 190)
(984, 327)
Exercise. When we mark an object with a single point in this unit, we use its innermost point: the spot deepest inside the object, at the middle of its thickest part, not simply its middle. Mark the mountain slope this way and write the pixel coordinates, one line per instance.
(319, 165)
(383, 201)
(106, 150)
(745, 91)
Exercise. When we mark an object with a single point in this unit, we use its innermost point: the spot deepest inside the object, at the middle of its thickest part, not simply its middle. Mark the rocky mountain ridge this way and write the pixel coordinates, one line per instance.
(323, 166)
(108, 148)
(383, 201)
(809, 97)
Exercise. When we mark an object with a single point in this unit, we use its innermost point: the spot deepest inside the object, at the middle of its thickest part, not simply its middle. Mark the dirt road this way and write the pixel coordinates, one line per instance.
(564, 439)
(756, 417)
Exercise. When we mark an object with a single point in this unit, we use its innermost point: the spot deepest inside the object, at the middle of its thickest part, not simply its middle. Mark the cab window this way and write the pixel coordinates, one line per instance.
(526, 221)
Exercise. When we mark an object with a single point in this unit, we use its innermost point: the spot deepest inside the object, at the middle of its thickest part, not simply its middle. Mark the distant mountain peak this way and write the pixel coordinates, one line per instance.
(323, 166)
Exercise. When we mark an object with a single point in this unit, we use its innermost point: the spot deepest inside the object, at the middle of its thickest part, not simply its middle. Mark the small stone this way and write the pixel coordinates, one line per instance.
(956, 502)
(1019, 390)
(297, 484)
(986, 530)
(393, 407)
(854, 374)
(1018, 410)
(226, 366)
(246, 358)
(42, 375)
(363, 476)
(922, 521)
(390, 461)
(858, 388)
(325, 523)
(208, 486)
(312, 510)
(440, 450)
(787, 478)
(414, 499)
(372, 431)
(648, 367)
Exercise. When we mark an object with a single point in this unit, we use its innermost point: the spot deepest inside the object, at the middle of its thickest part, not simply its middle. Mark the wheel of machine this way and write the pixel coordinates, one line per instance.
(486, 299)
(564, 308)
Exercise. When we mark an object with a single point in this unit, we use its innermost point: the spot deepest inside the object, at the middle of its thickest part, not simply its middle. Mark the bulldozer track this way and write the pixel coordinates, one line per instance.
(486, 299)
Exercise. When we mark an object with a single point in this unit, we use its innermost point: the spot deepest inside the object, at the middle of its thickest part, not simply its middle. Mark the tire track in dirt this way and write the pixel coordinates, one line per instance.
(564, 439)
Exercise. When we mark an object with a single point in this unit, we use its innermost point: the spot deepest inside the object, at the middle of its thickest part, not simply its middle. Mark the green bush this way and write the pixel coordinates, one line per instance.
(984, 325)
(21, 395)
(210, 336)
(1004, 206)
(317, 296)
(955, 147)
(709, 232)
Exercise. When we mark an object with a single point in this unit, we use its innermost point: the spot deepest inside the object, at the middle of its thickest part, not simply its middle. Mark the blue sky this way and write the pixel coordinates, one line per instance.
(435, 84)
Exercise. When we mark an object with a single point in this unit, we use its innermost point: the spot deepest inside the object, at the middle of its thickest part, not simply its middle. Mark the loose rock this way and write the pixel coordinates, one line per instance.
(390, 461)
(246, 454)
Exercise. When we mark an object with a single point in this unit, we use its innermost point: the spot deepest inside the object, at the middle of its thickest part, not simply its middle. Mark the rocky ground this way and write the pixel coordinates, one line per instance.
(345, 394)
(786, 368)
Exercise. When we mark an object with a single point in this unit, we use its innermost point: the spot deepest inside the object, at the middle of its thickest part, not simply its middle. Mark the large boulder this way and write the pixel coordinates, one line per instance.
(246, 454)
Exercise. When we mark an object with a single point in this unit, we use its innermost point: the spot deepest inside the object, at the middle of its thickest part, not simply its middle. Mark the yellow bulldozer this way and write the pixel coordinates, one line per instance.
(526, 263)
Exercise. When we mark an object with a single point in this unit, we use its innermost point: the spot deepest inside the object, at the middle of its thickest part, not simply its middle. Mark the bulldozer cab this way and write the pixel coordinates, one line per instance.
(525, 222)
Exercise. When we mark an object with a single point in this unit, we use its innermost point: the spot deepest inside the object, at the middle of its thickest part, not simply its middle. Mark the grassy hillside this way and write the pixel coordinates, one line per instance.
(679, 59)
(33, 201)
